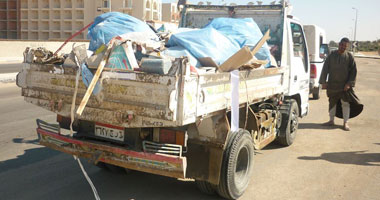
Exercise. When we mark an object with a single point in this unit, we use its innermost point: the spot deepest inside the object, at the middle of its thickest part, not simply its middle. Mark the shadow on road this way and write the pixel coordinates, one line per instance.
(317, 126)
(354, 157)
(139, 185)
(30, 157)
(21, 140)
(55, 175)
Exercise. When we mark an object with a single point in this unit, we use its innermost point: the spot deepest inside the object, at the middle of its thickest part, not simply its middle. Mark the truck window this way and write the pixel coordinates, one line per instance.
(299, 46)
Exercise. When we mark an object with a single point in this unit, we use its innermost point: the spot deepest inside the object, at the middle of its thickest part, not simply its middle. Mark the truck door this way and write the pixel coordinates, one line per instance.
(300, 73)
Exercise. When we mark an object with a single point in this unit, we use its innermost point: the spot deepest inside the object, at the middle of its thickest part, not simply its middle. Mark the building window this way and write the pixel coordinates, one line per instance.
(105, 4)
(127, 3)
(154, 6)
(148, 4)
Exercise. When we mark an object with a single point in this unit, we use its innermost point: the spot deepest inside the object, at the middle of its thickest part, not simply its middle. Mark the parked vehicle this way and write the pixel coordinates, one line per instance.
(178, 125)
(318, 51)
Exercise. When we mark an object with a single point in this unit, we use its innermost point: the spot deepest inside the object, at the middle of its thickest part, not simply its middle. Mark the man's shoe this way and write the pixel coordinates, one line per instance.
(346, 127)
(329, 123)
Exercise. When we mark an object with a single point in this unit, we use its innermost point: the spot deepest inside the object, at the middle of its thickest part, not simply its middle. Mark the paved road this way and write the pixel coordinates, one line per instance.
(9, 67)
(322, 163)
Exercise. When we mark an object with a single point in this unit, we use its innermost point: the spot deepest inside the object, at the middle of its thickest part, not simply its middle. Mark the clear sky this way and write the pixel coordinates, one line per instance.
(336, 16)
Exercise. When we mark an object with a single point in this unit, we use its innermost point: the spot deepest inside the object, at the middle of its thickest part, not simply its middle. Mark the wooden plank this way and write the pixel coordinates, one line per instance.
(261, 43)
(240, 58)
(243, 56)
(95, 79)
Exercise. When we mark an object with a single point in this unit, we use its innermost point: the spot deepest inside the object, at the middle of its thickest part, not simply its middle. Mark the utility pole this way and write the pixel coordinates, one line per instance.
(356, 23)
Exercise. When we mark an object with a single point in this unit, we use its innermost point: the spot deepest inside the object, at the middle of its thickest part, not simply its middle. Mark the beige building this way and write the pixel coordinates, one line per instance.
(170, 12)
(141, 9)
(54, 19)
(59, 19)
(9, 19)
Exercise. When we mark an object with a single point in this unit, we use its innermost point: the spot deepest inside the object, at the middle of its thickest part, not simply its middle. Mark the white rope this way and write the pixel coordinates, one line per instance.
(88, 179)
(74, 96)
(71, 129)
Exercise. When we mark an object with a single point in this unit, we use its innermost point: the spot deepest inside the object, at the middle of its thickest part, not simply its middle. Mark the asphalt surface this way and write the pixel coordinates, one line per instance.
(323, 163)
(9, 67)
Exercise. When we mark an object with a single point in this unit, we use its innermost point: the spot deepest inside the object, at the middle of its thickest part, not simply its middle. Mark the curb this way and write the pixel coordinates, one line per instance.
(11, 60)
(7, 78)
(371, 57)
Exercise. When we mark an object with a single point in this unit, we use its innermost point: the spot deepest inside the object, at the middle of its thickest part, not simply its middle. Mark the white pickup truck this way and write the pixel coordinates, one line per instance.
(178, 124)
(318, 51)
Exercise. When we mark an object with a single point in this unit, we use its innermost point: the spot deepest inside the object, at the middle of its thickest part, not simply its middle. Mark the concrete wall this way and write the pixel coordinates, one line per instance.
(169, 12)
(13, 50)
(139, 9)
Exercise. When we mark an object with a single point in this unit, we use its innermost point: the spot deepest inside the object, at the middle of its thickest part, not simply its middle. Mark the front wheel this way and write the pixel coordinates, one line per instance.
(289, 124)
(237, 165)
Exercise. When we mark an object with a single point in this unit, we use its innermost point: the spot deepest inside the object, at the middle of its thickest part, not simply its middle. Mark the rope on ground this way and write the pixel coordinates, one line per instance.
(71, 129)
(88, 178)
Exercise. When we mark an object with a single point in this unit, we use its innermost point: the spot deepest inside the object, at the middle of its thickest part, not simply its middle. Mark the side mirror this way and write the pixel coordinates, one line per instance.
(323, 51)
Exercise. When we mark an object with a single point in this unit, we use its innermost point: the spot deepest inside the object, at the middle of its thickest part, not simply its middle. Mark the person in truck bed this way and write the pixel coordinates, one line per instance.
(338, 77)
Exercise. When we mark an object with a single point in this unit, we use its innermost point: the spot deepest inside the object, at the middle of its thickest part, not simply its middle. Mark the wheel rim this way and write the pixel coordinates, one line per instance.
(242, 167)
(294, 122)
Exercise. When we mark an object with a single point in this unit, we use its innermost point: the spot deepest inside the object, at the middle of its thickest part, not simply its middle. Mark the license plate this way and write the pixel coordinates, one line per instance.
(109, 132)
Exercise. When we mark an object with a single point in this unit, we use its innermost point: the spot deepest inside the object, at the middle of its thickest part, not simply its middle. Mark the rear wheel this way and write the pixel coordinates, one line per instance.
(112, 168)
(289, 124)
(205, 187)
(237, 165)
(316, 92)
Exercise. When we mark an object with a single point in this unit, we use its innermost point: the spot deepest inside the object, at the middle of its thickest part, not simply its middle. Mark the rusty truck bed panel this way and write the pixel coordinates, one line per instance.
(255, 85)
(152, 100)
(171, 166)
(146, 97)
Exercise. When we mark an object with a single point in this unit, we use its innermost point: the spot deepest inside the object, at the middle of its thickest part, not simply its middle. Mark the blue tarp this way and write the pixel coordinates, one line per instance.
(111, 24)
(206, 42)
(178, 51)
(221, 38)
(243, 31)
(87, 78)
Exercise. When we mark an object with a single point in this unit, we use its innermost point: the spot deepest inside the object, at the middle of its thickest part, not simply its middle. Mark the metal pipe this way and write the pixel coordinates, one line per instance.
(356, 23)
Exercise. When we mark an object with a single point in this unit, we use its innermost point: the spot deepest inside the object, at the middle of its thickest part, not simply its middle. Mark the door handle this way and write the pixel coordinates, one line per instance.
(295, 78)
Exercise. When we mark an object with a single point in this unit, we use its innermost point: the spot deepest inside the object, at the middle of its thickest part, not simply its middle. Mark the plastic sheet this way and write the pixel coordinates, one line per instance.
(87, 78)
(178, 52)
(111, 24)
(244, 31)
(206, 42)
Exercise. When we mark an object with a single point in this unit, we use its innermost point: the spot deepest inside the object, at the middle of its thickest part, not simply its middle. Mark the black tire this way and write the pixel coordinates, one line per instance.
(316, 92)
(205, 187)
(102, 165)
(113, 168)
(289, 124)
(237, 165)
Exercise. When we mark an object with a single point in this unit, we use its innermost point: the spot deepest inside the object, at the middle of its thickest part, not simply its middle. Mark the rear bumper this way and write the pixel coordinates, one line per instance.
(165, 165)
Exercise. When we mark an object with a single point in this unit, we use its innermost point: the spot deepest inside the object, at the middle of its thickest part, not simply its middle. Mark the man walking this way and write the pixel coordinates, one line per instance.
(338, 76)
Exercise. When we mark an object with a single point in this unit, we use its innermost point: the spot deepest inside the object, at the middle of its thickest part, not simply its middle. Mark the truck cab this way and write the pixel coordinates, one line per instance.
(287, 43)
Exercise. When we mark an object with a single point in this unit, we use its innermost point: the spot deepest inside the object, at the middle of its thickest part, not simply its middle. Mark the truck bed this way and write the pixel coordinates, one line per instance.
(134, 99)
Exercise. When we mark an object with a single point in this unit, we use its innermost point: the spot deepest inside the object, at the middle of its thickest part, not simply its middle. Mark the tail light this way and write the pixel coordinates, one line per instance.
(313, 71)
(170, 136)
